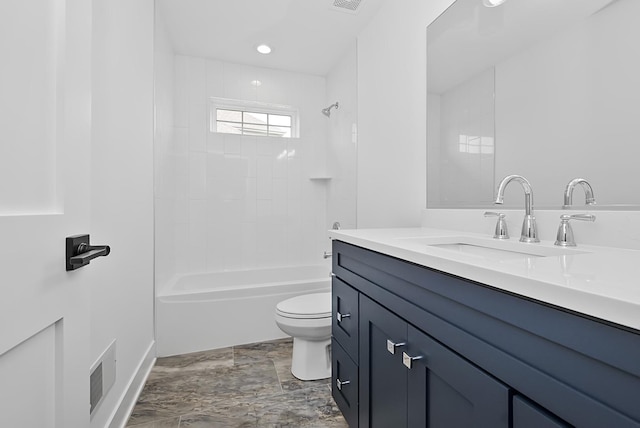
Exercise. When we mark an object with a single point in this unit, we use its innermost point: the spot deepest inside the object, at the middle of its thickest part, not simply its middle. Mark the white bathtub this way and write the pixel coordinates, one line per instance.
(215, 310)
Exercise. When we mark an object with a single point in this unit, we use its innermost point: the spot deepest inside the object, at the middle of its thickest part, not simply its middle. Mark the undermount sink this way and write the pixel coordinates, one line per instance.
(491, 249)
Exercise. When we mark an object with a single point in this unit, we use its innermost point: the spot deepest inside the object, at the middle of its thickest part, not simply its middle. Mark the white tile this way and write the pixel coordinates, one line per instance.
(197, 211)
(269, 247)
(197, 175)
(181, 96)
(182, 245)
(164, 217)
(232, 211)
(264, 177)
(263, 146)
(181, 176)
(232, 238)
(274, 86)
(264, 211)
(233, 144)
(180, 141)
(248, 240)
(215, 212)
(237, 82)
(279, 197)
(181, 210)
(234, 188)
(250, 200)
(249, 146)
(215, 165)
(280, 165)
(215, 78)
(215, 142)
(215, 187)
(252, 165)
(197, 251)
(294, 189)
(198, 108)
(235, 166)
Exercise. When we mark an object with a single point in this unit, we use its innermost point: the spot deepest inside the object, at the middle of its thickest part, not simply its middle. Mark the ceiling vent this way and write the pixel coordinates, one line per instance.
(349, 6)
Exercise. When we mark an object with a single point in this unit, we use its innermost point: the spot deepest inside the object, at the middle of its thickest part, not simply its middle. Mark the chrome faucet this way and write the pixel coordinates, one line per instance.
(529, 228)
(588, 192)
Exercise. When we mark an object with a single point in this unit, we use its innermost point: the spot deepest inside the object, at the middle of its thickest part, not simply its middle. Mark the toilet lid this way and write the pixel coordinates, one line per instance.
(317, 305)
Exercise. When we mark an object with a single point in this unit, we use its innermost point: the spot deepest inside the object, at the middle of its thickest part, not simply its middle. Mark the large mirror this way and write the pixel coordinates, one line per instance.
(546, 89)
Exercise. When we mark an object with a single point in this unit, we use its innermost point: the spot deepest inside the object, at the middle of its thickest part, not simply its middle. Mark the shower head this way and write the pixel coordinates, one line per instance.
(327, 111)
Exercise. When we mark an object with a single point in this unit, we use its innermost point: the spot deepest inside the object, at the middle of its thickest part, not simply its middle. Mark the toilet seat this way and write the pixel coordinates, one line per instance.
(317, 305)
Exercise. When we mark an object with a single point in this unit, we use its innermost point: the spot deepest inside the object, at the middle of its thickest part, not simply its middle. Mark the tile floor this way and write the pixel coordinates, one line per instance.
(243, 386)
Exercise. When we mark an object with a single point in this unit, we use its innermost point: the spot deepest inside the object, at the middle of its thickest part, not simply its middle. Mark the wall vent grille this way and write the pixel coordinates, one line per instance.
(102, 376)
(95, 381)
(350, 6)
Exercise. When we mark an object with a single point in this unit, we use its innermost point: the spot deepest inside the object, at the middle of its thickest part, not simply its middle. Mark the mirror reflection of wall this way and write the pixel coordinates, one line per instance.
(464, 122)
(566, 101)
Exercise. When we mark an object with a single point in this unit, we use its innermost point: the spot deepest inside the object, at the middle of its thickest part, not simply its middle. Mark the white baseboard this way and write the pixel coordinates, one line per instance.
(121, 414)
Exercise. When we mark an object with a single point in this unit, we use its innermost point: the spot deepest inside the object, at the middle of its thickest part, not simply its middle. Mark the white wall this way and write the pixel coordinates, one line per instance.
(243, 202)
(342, 84)
(168, 150)
(392, 114)
(562, 123)
(565, 107)
(462, 164)
(122, 192)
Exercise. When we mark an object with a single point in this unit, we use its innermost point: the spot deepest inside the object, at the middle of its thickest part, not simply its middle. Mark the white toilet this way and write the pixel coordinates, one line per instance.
(307, 319)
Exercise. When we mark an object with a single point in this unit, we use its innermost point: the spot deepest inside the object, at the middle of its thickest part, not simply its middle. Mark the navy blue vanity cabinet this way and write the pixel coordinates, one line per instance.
(383, 379)
(344, 349)
(345, 382)
(410, 380)
(436, 350)
(446, 390)
(528, 415)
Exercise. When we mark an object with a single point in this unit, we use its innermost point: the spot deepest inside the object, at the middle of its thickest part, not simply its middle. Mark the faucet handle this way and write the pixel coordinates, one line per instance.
(501, 225)
(564, 237)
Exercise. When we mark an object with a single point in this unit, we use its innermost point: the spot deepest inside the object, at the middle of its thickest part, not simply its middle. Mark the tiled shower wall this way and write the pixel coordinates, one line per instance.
(342, 83)
(239, 202)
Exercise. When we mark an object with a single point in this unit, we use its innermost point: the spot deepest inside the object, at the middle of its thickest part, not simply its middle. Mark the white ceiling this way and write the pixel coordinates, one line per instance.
(306, 36)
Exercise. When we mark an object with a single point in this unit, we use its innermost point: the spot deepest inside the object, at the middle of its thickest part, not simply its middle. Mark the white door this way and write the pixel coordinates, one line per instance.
(45, 129)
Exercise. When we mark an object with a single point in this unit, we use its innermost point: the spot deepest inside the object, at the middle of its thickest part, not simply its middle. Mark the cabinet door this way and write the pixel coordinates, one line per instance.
(344, 385)
(528, 415)
(344, 325)
(383, 378)
(447, 391)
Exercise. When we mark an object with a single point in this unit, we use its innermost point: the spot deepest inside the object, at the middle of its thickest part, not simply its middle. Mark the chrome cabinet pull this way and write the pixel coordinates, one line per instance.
(341, 383)
(340, 316)
(391, 346)
(408, 360)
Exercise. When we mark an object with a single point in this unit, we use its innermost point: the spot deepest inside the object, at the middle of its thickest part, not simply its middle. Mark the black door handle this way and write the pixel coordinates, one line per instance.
(80, 252)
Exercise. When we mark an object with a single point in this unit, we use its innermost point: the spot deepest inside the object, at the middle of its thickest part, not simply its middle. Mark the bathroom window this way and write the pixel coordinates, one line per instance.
(251, 118)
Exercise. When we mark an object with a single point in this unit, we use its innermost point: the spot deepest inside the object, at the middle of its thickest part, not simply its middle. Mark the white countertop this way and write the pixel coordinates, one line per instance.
(601, 282)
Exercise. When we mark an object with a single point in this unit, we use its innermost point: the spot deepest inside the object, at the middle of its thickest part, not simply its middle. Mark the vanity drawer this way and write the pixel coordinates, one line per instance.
(344, 324)
(344, 383)
(528, 415)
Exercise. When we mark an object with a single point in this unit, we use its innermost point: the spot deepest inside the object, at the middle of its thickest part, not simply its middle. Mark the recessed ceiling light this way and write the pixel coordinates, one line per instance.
(492, 3)
(256, 83)
(264, 49)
